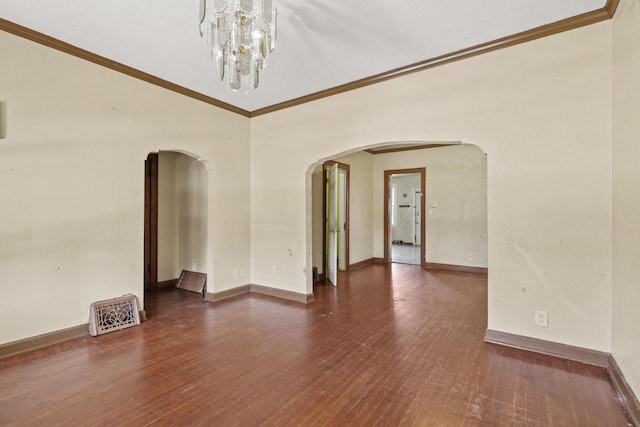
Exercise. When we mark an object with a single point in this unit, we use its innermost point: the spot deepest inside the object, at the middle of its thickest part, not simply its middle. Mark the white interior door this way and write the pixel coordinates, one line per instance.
(341, 220)
(332, 221)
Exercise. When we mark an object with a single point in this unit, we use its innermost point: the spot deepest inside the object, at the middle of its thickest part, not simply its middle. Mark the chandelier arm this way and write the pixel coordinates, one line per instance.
(203, 12)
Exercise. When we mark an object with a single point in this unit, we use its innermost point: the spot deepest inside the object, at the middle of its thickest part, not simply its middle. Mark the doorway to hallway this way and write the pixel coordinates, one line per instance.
(404, 221)
(175, 217)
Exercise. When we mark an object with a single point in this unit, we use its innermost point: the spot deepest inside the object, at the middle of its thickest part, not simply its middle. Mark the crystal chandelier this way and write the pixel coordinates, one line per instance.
(241, 34)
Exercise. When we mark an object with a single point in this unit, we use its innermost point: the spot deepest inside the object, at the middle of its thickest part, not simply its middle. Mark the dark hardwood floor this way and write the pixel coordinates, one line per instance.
(392, 345)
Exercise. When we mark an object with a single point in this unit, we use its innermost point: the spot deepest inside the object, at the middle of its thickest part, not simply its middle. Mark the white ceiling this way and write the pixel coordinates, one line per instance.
(321, 43)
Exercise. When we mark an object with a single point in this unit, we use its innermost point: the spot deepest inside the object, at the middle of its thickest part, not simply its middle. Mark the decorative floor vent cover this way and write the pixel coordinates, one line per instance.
(113, 315)
(192, 281)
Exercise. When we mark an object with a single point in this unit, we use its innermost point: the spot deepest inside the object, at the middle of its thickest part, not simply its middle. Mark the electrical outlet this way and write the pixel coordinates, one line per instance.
(470, 257)
(274, 268)
(193, 266)
(541, 319)
(236, 272)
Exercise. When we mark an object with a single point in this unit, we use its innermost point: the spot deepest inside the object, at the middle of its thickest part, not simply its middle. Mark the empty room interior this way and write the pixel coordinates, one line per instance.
(418, 214)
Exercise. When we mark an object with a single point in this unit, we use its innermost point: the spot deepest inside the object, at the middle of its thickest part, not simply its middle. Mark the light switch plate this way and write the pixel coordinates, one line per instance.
(541, 319)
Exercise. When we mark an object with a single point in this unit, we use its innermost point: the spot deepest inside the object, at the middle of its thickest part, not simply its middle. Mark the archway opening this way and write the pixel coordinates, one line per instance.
(176, 218)
(453, 206)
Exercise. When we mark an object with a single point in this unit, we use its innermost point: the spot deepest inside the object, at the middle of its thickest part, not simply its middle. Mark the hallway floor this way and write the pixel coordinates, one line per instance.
(405, 254)
(391, 345)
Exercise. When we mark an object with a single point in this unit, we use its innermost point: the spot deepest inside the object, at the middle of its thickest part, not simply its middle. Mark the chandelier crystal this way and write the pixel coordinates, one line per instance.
(241, 34)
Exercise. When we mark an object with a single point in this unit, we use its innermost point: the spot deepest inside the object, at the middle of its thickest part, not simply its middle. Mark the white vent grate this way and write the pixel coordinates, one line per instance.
(113, 315)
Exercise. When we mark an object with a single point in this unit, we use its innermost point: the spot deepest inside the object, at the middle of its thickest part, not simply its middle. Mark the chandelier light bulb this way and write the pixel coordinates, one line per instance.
(240, 34)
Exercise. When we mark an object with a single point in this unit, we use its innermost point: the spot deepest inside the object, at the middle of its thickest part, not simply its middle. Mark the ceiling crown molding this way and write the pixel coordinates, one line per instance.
(54, 43)
(578, 21)
(607, 12)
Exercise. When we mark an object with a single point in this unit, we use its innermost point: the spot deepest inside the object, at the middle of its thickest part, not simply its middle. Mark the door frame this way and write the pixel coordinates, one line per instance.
(344, 167)
(387, 206)
(417, 191)
(151, 221)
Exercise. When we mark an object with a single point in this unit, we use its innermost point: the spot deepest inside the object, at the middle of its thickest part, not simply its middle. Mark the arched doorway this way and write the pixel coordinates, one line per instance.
(176, 217)
(453, 205)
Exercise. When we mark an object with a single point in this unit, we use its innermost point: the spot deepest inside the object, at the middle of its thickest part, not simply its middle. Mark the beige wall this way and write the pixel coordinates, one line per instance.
(626, 191)
(456, 180)
(182, 215)
(192, 198)
(72, 185)
(531, 108)
(168, 246)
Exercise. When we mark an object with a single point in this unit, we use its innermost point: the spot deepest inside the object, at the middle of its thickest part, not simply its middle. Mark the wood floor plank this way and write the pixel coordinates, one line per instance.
(391, 345)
